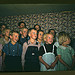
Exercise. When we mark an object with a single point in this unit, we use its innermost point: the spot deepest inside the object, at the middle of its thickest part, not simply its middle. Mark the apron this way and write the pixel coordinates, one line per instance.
(13, 63)
(32, 59)
(49, 58)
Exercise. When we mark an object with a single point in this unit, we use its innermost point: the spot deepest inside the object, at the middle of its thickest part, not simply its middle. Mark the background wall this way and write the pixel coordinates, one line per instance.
(60, 21)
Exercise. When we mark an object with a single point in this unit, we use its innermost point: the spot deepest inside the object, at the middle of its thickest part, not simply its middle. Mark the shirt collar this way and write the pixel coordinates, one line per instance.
(62, 47)
(12, 44)
(30, 42)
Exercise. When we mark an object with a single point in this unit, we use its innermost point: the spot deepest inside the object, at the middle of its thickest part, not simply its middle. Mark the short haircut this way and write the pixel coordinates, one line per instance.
(37, 25)
(23, 29)
(31, 29)
(22, 22)
(63, 36)
(3, 32)
(13, 31)
(38, 32)
(50, 31)
(4, 25)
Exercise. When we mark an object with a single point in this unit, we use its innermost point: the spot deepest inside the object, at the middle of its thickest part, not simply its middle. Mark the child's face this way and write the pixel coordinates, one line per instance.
(40, 35)
(52, 32)
(37, 27)
(24, 33)
(15, 37)
(33, 34)
(7, 33)
(22, 25)
(67, 42)
(3, 27)
(49, 39)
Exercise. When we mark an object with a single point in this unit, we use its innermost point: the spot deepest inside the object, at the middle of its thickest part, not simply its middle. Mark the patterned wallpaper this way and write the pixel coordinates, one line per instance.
(61, 21)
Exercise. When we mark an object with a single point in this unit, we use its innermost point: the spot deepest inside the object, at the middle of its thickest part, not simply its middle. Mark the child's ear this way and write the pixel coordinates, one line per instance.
(10, 37)
(45, 39)
(18, 26)
(20, 32)
(29, 34)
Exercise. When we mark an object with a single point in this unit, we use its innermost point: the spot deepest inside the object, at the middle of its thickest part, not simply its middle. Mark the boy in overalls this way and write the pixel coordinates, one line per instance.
(30, 57)
(12, 53)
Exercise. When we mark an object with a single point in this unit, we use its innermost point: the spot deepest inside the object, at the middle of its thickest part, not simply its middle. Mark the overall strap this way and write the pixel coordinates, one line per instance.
(36, 43)
(44, 49)
(53, 49)
(8, 48)
(17, 49)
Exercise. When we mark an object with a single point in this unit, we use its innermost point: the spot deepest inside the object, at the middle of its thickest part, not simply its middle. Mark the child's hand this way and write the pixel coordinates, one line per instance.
(69, 68)
(0, 52)
(52, 65)
(23, 68)
(47, 66)
(3, 65)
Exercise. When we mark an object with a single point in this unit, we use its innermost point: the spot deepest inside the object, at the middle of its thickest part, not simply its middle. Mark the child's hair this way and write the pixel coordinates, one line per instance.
(37, 25)
(13, 31)
(22, 22)
(23, 29)
(50, 31)
(29, 30)
(44, 37)
(4, 25)
(38, 32)
(63, 36)
(3, 32)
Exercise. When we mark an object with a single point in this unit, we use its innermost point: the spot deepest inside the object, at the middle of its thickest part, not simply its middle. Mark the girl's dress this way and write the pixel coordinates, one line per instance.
(66, 55)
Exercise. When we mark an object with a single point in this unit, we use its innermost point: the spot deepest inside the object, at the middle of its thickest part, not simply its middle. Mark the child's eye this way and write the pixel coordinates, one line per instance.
(40, 33)
(33, 32)
(15, 36)
(24, 31)
(49, 37)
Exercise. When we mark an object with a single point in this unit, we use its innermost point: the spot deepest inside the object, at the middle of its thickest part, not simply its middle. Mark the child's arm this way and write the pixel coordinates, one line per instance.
(73, 62)
(59, 57)
(42, 61)
(73, 58)
(23, 55)
(54, 63)
(3, 57)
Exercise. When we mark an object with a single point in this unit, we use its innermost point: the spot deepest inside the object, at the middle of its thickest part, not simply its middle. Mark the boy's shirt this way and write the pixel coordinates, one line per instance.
(49, 48)
(22, 40)
(25, 46)
(15, 50)
(3, 41)
(41, 43)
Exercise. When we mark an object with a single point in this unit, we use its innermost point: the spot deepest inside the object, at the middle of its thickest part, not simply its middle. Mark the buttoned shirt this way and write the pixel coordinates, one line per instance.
(25, 46)
(13, 50)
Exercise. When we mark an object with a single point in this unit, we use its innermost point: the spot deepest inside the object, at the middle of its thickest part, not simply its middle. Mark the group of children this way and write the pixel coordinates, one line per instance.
(31, 50)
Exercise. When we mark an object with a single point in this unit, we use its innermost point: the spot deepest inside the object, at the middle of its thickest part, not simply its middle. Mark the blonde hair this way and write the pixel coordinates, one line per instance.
(45, 36)
(63, 37)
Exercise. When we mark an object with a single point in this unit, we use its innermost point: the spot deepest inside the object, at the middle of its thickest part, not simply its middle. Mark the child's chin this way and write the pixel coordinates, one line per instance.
(50, 43)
